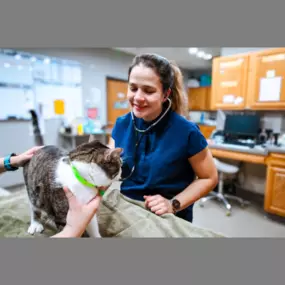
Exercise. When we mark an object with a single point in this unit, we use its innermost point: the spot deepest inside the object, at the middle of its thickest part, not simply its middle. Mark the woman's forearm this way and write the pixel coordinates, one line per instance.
(195, 191)
(14, 161)
(2, 169)
(205, 169)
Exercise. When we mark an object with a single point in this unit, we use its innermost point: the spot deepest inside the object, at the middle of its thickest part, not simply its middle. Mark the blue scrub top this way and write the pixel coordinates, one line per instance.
(162, 156)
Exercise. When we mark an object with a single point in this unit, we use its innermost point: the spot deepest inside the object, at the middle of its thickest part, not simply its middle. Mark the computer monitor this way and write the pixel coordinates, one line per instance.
(242, 125)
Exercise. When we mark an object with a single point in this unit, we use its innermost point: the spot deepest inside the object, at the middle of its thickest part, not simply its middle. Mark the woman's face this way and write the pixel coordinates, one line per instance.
(145, 93)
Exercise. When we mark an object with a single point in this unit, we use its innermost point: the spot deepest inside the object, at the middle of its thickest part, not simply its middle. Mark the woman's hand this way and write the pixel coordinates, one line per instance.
(21, 159)
(158, 204)
(79, 215)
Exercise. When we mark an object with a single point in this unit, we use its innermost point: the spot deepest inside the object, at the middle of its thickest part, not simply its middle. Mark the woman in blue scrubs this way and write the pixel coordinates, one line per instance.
(166, 160)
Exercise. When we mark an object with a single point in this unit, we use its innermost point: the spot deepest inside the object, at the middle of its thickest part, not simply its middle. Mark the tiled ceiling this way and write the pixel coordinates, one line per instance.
(181, 55)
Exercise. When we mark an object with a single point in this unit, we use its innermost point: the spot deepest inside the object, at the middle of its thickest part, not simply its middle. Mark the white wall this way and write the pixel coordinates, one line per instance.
(97, 64)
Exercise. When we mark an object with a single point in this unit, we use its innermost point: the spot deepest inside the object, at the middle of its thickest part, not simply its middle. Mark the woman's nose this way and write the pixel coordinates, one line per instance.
(139, 96)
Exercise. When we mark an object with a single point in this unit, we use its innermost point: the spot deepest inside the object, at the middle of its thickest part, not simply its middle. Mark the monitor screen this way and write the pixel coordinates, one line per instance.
(247, 125)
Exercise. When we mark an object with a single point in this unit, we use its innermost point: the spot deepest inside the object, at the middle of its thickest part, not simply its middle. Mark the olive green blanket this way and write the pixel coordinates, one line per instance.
(118, 216)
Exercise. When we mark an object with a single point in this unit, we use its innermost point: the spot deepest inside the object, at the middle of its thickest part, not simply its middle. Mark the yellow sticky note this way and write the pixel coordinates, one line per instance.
(59, 107)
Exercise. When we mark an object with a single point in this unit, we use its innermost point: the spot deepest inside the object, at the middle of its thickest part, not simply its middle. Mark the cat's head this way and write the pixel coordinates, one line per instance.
(94, 152)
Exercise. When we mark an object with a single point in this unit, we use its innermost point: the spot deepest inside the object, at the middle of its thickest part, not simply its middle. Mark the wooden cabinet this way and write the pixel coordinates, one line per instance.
(253, 80)
(266, 88)
(274, 202)
(199, 98)
(206, 130)
(229, 82)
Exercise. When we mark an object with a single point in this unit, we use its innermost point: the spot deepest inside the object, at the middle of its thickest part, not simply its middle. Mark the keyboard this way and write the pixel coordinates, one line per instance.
(242, 147)
(236, 146)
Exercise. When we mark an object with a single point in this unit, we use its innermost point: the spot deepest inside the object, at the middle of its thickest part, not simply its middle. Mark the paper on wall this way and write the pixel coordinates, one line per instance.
(121, 95)
(238, 100)
(270, 73)
(228, 99)
(269, 89)
(59, 106)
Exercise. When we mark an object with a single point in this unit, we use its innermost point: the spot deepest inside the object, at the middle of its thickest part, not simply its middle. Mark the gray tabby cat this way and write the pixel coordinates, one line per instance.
(86, 170)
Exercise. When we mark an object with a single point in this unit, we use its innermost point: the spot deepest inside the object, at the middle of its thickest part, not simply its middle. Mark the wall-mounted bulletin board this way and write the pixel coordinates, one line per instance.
(29, 80)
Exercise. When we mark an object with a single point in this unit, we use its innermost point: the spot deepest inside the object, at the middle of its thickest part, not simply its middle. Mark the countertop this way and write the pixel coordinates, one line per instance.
(259, 150)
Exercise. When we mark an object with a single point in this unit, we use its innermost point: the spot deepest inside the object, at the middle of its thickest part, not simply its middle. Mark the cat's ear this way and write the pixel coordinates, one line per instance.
(91, 138)
(114, 152)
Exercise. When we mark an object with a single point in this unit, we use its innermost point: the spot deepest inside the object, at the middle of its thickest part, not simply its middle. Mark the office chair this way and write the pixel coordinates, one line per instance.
(224, 168)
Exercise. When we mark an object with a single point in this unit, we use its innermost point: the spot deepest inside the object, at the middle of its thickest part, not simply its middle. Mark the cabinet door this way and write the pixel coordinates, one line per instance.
(208, 98)
(275, 191)
(266, 80)
(206, 130)
(117, 102)
(197, 98)
(229, 82)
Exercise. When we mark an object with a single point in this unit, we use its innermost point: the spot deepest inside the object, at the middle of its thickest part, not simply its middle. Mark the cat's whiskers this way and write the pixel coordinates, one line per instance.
(90, 175)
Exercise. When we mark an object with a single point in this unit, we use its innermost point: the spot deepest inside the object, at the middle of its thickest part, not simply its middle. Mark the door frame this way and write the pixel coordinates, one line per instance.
(114, 79)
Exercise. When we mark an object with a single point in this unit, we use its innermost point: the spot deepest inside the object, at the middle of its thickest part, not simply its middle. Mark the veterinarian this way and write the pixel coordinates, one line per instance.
(166, 160)
(12, 161)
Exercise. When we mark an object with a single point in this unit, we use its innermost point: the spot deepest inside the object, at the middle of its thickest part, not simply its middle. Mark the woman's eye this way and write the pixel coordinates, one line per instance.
(148, 91)
(133, 89)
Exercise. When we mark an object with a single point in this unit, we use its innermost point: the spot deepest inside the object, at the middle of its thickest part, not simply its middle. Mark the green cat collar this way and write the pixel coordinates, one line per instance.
(84, 181)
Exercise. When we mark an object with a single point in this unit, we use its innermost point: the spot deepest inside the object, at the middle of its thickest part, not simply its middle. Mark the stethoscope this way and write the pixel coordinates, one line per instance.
(143, 132)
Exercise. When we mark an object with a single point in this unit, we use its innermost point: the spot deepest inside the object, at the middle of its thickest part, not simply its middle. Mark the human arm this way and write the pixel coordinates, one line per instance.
(202, 163)
(78, 217)
(207, 178)
(19, 160)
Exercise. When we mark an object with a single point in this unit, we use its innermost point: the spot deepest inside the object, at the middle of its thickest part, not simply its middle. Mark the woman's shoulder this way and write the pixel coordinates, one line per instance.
(190, 131)
(124, 119)
(121, 125)
(183, 123)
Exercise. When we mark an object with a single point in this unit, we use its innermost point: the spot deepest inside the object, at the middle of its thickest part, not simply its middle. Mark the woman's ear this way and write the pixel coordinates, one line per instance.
(166, 95)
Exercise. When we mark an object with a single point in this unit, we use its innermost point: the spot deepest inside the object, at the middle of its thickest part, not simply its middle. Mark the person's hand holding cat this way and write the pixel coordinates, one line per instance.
(79, 215)
(21, 159)
(158, 204)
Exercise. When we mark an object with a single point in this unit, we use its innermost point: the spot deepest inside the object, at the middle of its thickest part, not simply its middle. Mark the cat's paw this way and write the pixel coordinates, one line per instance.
(35, 227)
